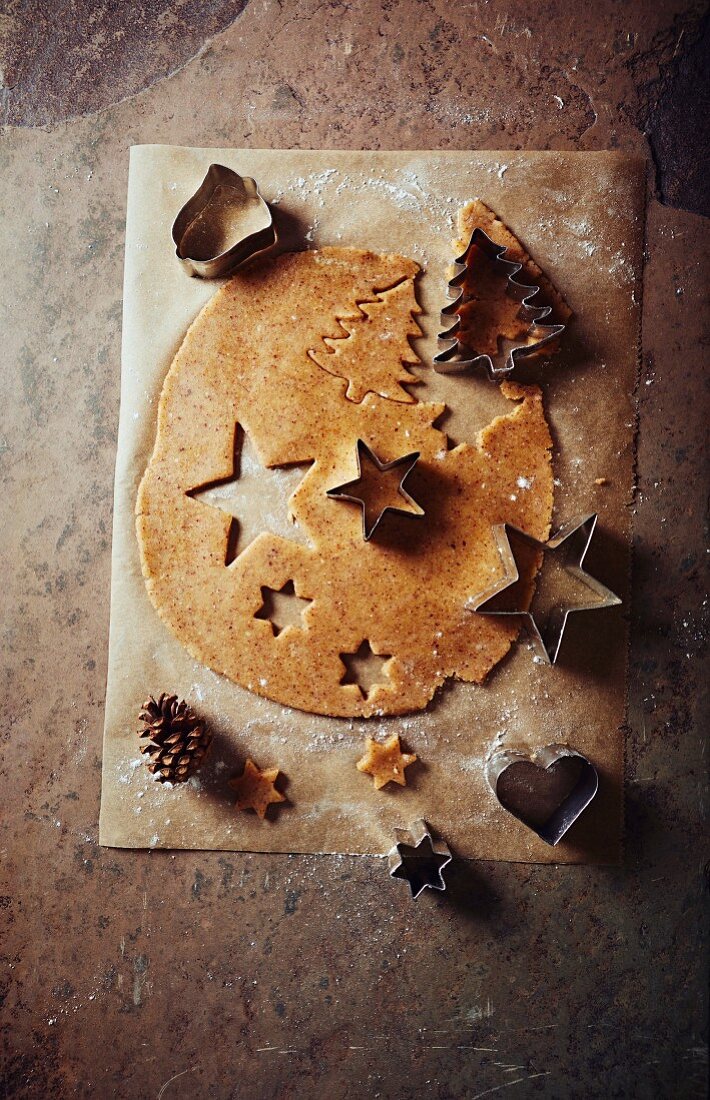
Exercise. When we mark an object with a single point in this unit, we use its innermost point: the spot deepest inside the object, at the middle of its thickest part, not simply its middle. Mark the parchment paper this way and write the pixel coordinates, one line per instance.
(581, 217)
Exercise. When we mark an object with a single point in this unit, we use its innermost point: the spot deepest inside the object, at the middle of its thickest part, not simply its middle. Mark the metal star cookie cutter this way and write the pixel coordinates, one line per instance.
(449, 359)
(419, 869)
(247, 225)
(577, 534)
(568, 808)
(407, 462)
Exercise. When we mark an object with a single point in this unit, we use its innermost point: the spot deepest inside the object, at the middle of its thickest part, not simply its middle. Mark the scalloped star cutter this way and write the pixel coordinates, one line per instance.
(571, 543)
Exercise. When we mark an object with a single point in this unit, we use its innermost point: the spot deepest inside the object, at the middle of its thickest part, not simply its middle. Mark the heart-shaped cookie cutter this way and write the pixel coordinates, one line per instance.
(572, 805)
(196, 229)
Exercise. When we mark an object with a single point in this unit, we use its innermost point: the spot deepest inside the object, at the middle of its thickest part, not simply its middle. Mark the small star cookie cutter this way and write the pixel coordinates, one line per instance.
(421, 869)
(574, 537)
(566, 807)
(453, 357)
(224, 224)
(346, 491)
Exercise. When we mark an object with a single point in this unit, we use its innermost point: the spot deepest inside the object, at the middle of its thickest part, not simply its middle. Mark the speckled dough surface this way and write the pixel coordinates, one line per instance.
(245, 360)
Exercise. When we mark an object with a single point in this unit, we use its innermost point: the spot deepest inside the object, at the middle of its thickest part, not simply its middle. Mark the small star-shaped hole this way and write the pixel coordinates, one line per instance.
(282, 607)
(364, 668)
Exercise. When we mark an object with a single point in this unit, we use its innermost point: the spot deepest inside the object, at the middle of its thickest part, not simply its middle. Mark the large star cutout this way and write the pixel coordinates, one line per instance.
(248, 483)
(379, 488)
(419, 859)
(385, 762)
(255, 789)
(563, 586)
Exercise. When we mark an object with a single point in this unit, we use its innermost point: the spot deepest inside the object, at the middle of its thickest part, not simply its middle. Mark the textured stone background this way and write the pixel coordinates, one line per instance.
(205, 975)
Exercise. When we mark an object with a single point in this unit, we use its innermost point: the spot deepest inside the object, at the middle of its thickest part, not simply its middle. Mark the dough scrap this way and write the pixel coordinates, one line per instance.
(245, 360)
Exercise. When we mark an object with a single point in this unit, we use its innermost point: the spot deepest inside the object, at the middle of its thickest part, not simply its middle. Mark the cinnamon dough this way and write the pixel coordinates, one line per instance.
(249, 359)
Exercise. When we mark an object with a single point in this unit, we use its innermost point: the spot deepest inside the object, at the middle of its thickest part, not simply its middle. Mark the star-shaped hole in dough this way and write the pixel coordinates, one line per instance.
(248, 483)
(379, 488)
(563, 586)
(385, 762)
(255, 789)
(282, 607)
(365, 668)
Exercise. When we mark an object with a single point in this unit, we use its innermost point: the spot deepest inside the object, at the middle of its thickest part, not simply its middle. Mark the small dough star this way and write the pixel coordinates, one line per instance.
(255, 789)
(385, 762)
(379, 488)
(563, 584)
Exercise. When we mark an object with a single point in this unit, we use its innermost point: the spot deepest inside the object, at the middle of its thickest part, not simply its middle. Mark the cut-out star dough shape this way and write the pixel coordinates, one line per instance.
(379, 488)
(385, 762)
(563, 584)
(255, 789)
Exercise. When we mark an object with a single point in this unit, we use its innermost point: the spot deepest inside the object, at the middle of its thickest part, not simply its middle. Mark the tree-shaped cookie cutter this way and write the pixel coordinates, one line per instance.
(454, 356)
(223, 188)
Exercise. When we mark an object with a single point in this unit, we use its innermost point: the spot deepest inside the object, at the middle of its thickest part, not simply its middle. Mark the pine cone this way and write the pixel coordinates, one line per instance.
(177, 739)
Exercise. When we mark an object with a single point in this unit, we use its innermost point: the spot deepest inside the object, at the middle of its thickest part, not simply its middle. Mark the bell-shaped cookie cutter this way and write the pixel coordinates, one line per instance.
(421, 869)
(453, 357)
(238, 193)
(569, 809)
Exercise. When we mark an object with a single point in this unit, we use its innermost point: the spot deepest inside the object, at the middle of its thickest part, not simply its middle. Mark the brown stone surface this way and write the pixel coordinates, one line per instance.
(205, 975)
